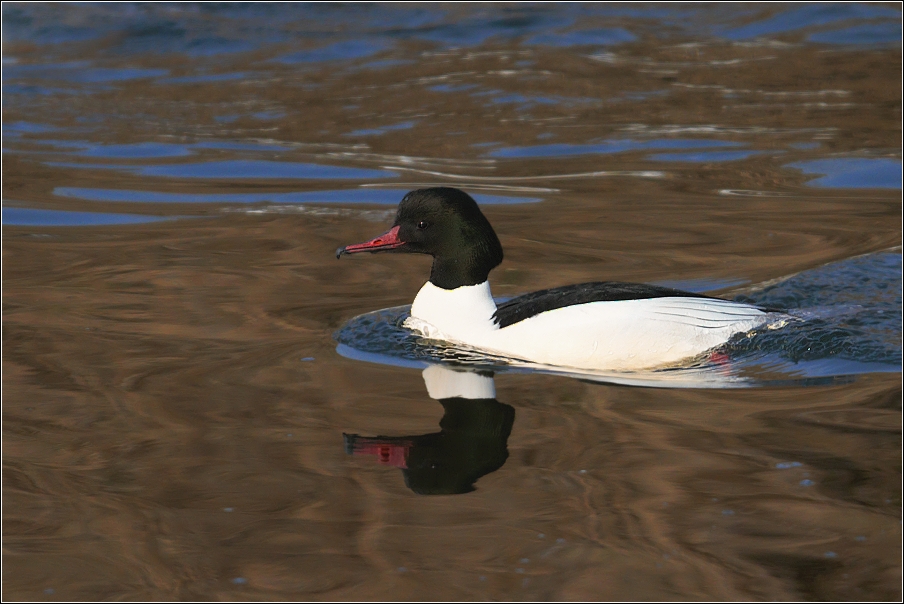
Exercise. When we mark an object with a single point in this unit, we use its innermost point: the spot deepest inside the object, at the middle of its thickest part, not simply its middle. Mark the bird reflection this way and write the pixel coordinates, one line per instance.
(471, 443)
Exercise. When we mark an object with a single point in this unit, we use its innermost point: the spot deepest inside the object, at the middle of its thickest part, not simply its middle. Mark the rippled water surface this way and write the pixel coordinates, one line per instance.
(200, 402)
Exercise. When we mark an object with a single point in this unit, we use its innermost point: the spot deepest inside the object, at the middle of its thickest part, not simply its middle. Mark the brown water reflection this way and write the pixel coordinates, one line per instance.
(163, 437)
(174, 408)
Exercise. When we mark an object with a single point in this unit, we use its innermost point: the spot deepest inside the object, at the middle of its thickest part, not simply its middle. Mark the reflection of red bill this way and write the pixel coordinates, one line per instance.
(719, 358)
(390, 454)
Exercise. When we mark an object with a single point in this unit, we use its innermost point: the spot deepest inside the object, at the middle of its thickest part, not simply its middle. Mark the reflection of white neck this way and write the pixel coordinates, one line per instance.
(445, 383)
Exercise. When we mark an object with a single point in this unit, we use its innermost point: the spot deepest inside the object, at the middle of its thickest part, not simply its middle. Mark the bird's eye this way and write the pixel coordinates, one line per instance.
(423, 224)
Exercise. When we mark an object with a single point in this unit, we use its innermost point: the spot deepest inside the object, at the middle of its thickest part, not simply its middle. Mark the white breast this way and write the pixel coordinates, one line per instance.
(462, 314)
(618, 335)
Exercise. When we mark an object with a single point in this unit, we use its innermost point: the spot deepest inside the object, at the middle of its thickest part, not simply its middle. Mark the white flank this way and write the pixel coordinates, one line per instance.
(619, 335)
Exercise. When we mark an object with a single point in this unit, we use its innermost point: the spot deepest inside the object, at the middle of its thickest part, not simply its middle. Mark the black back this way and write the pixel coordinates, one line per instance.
(534, 303)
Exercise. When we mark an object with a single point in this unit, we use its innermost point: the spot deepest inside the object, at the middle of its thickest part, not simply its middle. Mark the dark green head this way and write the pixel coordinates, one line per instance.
(447, 224)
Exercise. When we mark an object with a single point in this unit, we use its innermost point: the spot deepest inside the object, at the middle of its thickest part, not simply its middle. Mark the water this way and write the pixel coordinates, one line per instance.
(213, 407)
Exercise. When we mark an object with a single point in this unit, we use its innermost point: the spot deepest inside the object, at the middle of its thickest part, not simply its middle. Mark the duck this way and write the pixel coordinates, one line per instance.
(597, 326)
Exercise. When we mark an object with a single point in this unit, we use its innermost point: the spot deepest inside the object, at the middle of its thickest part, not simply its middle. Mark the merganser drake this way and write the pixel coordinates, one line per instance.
(608, 325)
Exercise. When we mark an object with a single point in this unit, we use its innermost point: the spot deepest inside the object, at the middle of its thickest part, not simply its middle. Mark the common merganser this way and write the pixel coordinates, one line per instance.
(605, 325)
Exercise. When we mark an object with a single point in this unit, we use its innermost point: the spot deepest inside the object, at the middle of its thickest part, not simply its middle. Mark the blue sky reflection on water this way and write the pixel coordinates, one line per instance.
(353, 196)
(382, 130)
(305, 36)
(240, 169)
(821, 15)
(706, 156)
(338, 51)
(214, 29)
(63, 218)
(609, 146)
(79, 72)
(853, 172)
(135, 151)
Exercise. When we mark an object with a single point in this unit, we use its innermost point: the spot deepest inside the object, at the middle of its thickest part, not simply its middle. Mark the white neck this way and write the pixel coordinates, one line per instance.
(462, 314)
